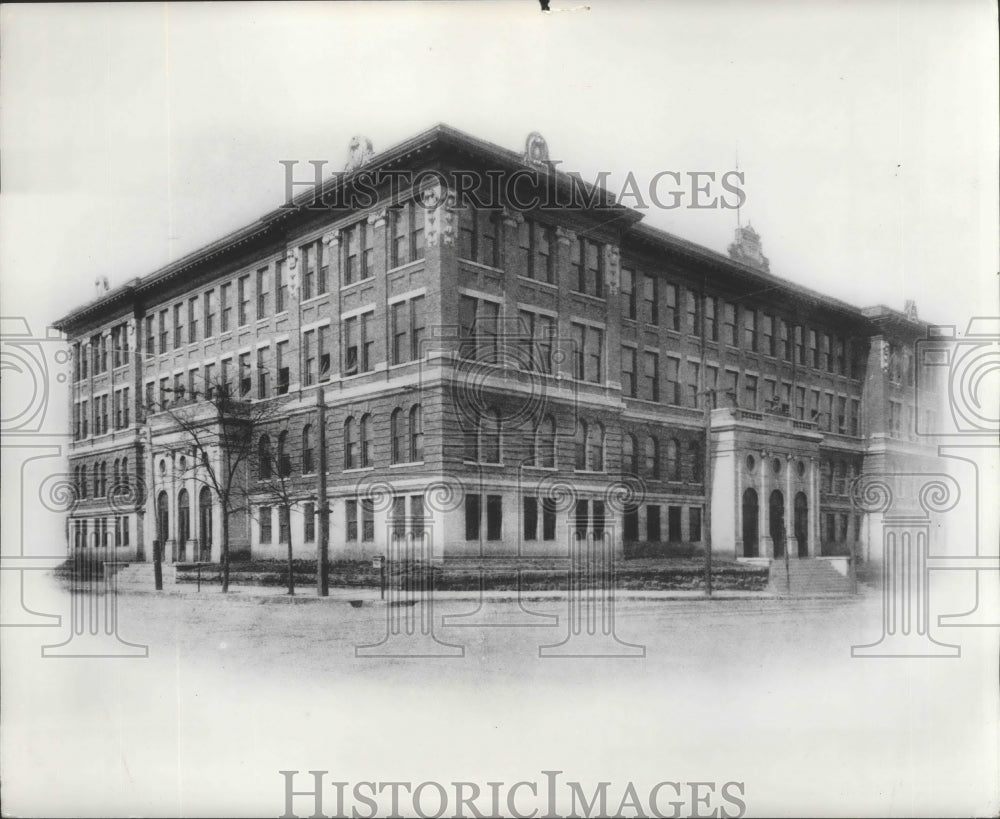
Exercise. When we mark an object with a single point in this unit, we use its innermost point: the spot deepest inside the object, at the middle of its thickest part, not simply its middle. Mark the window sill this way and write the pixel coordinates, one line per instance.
(313, 299)
(590, 297)
(550, 285)
(483, 463)
(357, 283)
(541, 468)
(400, 267)
(487, 267)
(404, 464)
(354, 469)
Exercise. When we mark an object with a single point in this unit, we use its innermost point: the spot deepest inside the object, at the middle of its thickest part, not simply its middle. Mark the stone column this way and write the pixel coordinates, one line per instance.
(766, 548)
(814, 521)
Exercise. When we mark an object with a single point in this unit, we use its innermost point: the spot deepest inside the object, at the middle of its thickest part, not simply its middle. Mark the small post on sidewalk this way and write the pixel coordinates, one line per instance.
(852, 566)
(784, 548)
(380, 563)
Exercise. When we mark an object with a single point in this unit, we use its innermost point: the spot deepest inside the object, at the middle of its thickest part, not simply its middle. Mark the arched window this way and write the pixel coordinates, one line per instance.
(96, 476)
(114, 474)
(694, 452)
(490, 438)
(652, 457)
(264, 457)
(595, 447)
(630, 454)
(350, 444)
(673, 461)
(545, 443)
(396, 435)
(364, 430)
(416, 433)
(284, 459)
(183, 517)
(125, 477)
(308, 464)
(580, 445)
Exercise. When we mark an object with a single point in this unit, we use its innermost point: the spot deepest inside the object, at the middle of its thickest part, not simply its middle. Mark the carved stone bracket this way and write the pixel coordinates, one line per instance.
(564, 236)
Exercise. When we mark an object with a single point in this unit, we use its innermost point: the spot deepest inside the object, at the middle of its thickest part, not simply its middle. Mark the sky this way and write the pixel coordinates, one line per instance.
(867, 132)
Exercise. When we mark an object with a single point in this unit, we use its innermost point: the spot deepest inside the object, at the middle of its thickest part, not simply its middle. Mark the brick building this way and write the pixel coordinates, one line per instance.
(493, 377)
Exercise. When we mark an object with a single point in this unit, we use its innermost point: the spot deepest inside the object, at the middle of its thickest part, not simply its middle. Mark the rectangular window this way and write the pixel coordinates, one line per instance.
(209, 304)
(162, 321)
(842, 414)
(813, 350)
(226, 299)
(227, 377)
(530, 506)
(351, 520)
(308, 269)
(400, 318)
(473, 516)
(263, 294)
(537, 332)
(824, 353)
(417, 515)
(263, 373)
(693, 387)
(243, 296)
(246, 383)
(630, 523)
(800, 345)
(767, 334)
(280, 287)
(628, 371)
(178, 325)
(548, 519)
(406, 226)
(494, 517)
(264, 513)
(367, 520)
(750, 392)
(800, 403)
(588, 352)
(651, 376)
(309, 358)
(282, 362)
(785, 340)
(358, 344)
(673, 381)
(838, 355)
(628, 293)
(673, 317)
(651, 300)
(582, 518)
(479, 232)
(694, 524)
(729, 324)
(322, 353)
(192, 320)
(711, 326)
(693, 313)
(856, 417)
(398, 516)
(309, 522)
(653, 522)
(674, 523)
(750, 330)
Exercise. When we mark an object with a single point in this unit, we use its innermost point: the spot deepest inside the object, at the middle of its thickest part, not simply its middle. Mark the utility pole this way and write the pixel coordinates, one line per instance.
(322, 579)
(707, 453)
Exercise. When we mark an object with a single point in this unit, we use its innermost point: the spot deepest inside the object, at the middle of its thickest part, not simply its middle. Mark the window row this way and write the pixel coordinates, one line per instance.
(97, 478)
(96, 532)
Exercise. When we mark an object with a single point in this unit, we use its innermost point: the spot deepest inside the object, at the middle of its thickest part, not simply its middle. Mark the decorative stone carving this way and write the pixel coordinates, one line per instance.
(332, 241)
(101, 285)
(747, 249)
(377, 218)
(536, 150)
(292, 271)
(612, 258)
(359, 152)
(512, 218)
(910, 310)
(564, 236)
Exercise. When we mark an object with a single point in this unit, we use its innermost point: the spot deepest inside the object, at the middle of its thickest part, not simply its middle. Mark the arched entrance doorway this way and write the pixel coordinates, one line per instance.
(776, 522)
(751, 547)
(205, 523)
(802, 523)
(162, 522)
(183, 523)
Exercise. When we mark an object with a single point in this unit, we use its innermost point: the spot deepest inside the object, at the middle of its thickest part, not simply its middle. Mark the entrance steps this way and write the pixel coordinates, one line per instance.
(807, 577)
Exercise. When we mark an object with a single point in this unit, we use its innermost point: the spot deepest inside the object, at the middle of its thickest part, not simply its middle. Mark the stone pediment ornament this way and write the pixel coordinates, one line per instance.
(536, 151)
(359, 152)
(747, 249)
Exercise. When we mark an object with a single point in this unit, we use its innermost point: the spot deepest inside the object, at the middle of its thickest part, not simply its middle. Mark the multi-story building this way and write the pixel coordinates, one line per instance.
(493, 377)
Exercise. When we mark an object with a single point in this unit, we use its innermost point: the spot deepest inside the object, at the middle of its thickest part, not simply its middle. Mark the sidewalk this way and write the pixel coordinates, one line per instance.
(139, 581)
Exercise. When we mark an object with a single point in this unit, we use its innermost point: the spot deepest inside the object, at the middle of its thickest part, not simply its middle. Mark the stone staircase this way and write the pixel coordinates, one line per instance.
(807, 577)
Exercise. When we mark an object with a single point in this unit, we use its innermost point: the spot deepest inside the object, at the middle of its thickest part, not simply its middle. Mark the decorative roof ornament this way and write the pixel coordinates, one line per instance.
(359, 152)
(747, 249)
(910, 310)
(101, 285)
(536, 151)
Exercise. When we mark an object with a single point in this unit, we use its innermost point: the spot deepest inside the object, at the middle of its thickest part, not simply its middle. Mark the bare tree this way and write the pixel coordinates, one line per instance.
(273, 482)
(217, 431)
